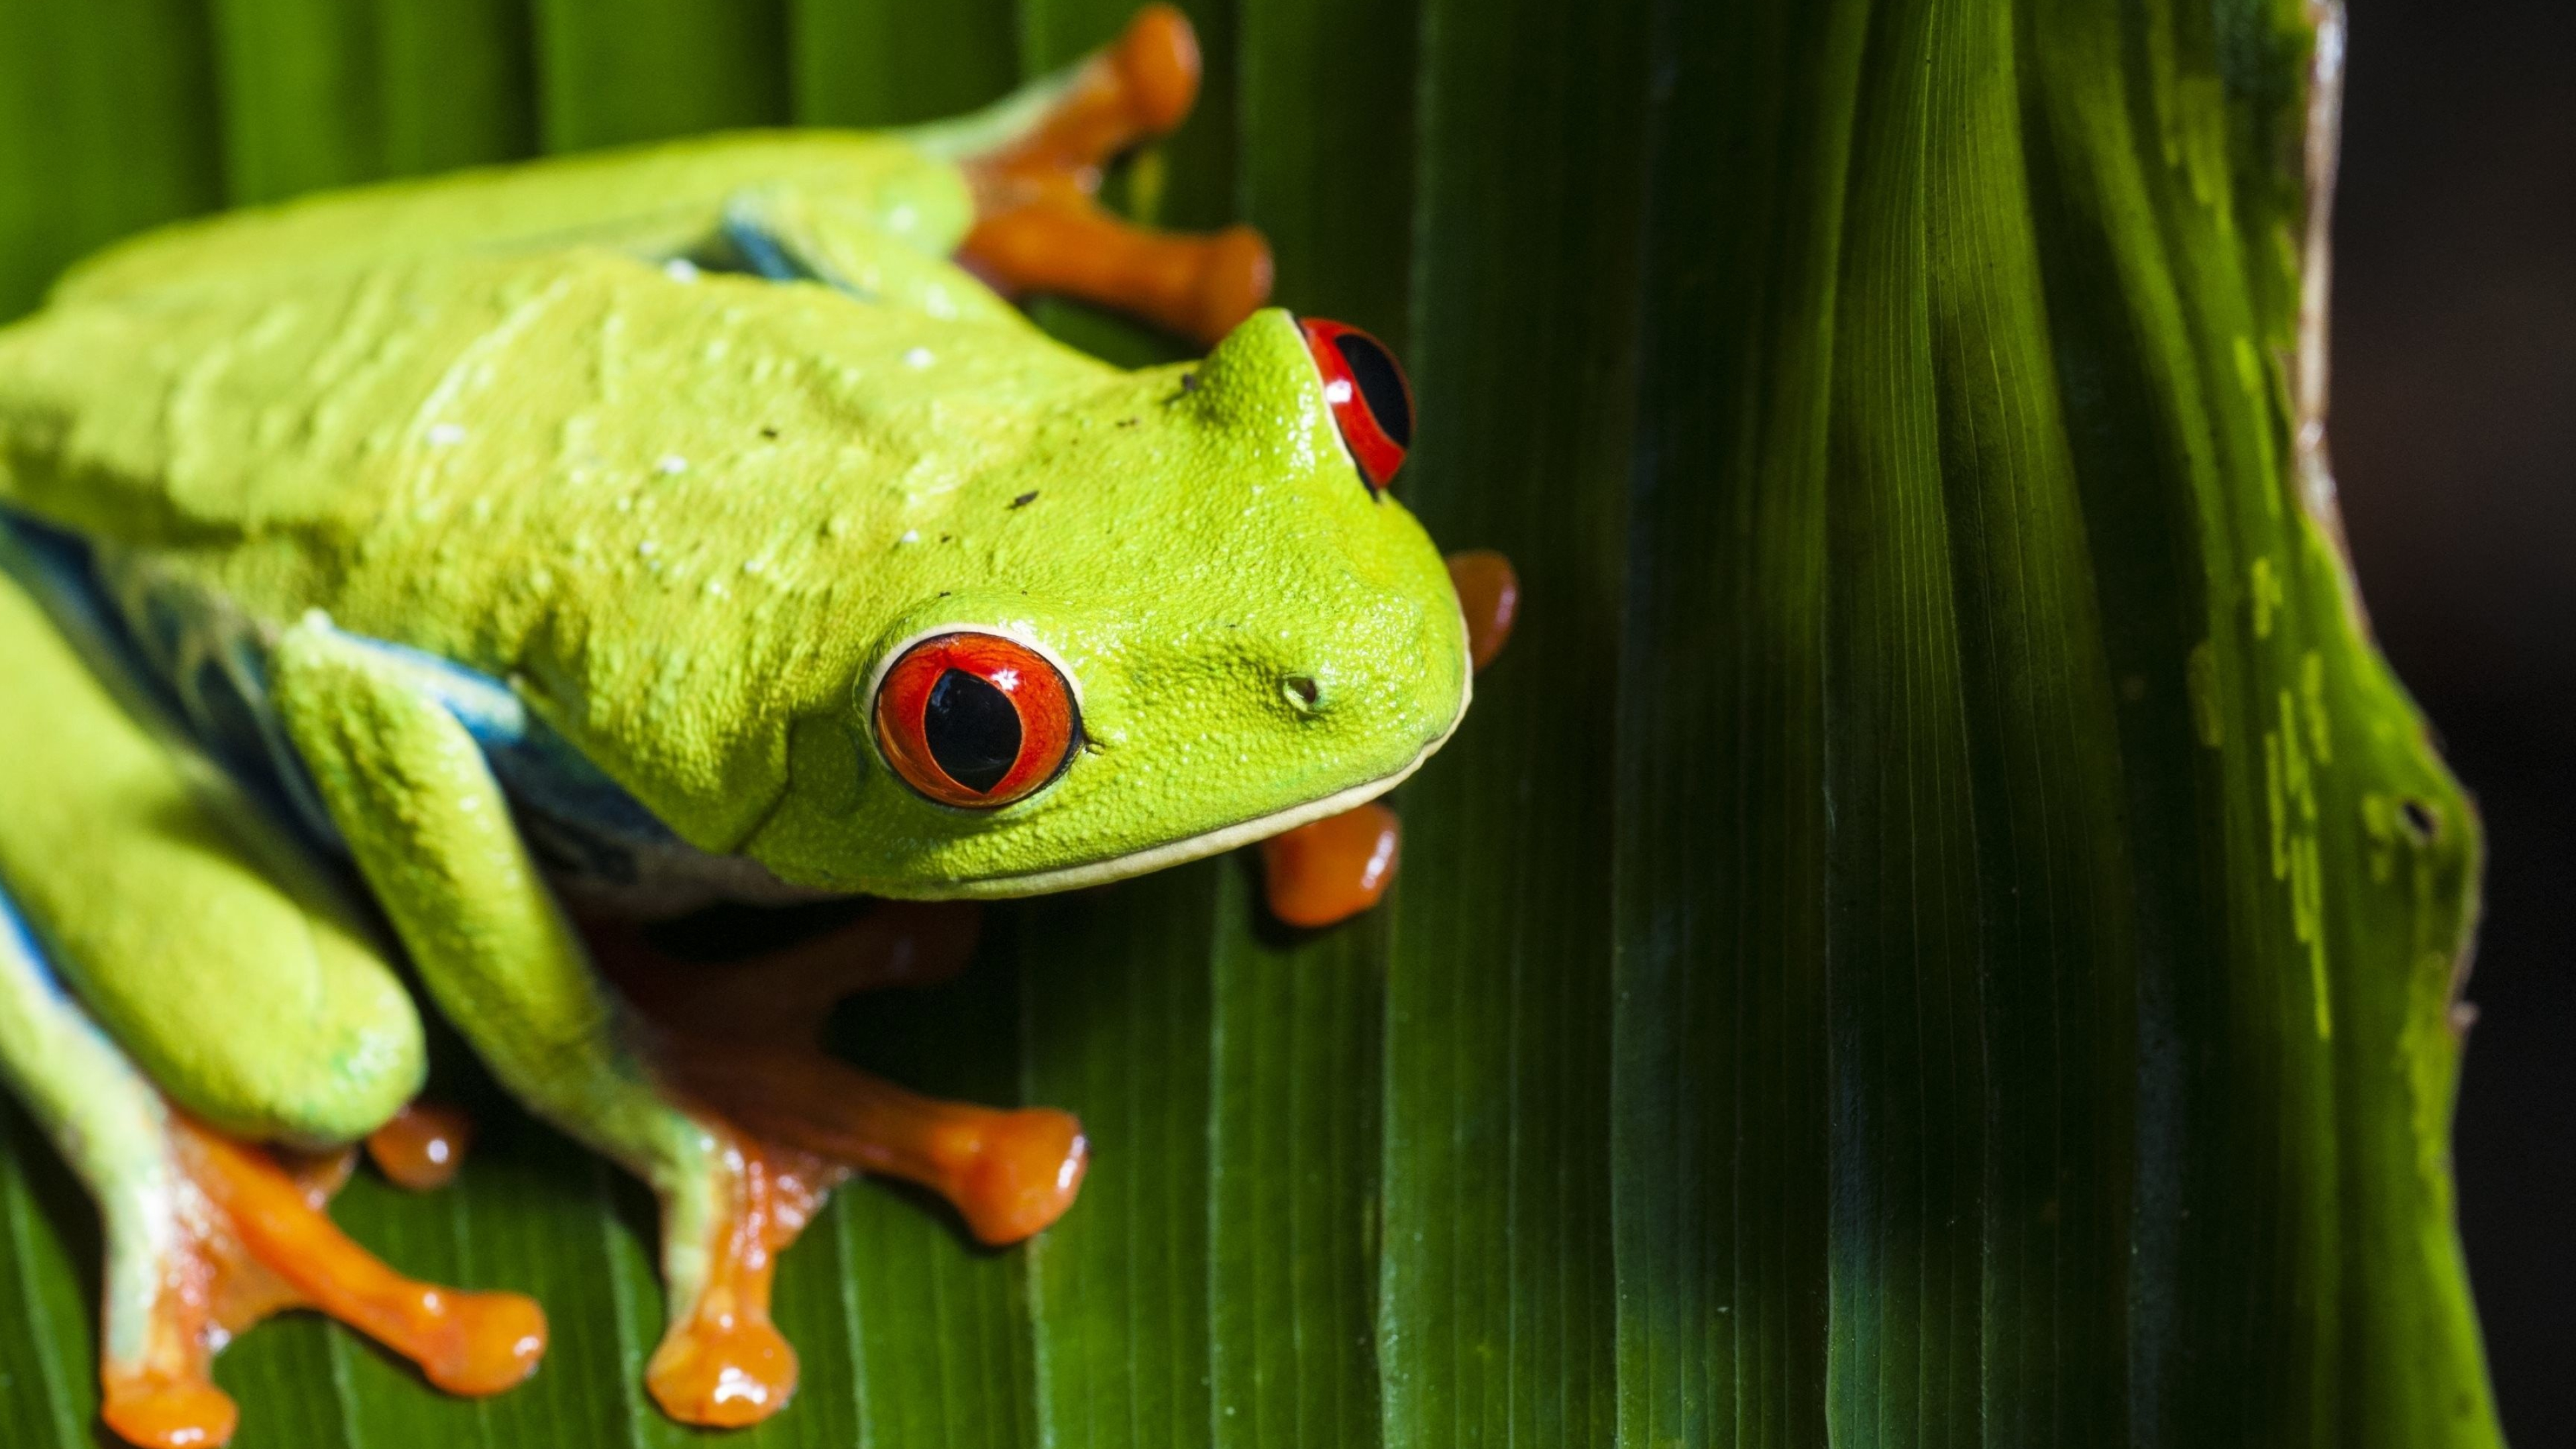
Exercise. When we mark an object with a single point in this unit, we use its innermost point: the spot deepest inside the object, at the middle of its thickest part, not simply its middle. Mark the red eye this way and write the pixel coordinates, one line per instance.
(1372, 403)
(975, 720)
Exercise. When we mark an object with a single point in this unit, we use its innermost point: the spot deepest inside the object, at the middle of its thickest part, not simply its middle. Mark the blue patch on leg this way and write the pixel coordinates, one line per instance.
(18, 943)
(194, 668)
(760, 249)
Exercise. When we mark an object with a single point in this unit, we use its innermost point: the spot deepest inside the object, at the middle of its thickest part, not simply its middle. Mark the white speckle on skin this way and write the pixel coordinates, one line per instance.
(918, 357)
(680, 269)
(446, 435)
(647, 548)
(672, 463)
(910, 535)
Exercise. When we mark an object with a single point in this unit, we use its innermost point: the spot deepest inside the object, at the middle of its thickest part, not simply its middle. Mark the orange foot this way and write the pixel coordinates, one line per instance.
(741, 1040)
(723, 1364)
(252, 1240)
(1040, 228)
(1332, 869)
(1008, 1174)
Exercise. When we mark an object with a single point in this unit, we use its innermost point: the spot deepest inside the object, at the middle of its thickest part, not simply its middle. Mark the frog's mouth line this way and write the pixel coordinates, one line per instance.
(1198, 847)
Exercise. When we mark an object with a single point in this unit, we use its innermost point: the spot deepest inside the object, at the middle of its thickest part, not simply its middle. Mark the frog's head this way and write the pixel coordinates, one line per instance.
(1186, 615)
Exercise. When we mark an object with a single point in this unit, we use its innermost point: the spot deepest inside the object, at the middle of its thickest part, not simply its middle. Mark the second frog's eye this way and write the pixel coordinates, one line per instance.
(975, 720)
(1372, 403)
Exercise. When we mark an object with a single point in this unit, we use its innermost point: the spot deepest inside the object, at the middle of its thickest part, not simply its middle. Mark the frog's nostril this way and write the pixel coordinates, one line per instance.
(1304, 695)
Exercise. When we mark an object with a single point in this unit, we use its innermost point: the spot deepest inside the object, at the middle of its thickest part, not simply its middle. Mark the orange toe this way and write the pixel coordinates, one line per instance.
(1025, 1170)
(723, 1372)
(1158, 68)
(423, 1146)
(1331, 869)
(168, 1413)
(1235, 273)
(1038, 228)
(491, 1342)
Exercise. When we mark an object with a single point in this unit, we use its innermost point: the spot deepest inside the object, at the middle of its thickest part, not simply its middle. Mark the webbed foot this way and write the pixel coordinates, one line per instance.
(742, 1039)
(1040, 228)
(245, 1237)
(207, 1235)
(739, 1043)
(723, 1363)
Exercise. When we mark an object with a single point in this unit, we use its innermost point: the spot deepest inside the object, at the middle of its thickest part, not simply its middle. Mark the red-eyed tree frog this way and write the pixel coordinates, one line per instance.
(629, 532)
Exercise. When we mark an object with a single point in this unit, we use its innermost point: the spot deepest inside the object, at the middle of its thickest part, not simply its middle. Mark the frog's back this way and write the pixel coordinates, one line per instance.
(178, 381)
(658, 199)
(450, 417)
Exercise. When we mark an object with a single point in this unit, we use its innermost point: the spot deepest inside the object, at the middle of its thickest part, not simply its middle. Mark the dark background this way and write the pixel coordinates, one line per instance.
(2454, 437)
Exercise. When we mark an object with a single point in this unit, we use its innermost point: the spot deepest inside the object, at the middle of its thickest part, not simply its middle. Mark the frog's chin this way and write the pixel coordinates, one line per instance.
(1195, 847)
(1179, 852)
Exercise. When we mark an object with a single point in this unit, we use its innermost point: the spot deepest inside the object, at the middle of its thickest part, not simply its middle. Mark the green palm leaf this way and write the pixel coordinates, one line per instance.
(1940, 930)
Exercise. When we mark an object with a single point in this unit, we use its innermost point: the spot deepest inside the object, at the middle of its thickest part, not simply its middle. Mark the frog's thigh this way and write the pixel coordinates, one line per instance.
(197, 932)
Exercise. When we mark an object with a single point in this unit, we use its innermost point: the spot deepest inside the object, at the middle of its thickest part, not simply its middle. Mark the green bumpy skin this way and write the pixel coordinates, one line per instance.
(688, 514)
(535, 422)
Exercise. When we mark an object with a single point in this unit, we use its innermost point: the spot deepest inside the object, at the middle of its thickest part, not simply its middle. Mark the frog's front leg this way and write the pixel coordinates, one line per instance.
(410, 791)
(745, 1038)
(432, 834)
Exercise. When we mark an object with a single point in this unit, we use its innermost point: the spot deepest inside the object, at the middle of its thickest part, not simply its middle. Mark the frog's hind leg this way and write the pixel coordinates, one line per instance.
(417, 803)
(203, 936)
(145, 950)
(1034, 163)
(207, 1235)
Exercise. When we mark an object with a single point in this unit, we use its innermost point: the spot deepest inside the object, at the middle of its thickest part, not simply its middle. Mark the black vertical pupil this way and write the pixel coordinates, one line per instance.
(972, 729)
(1381, 385)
